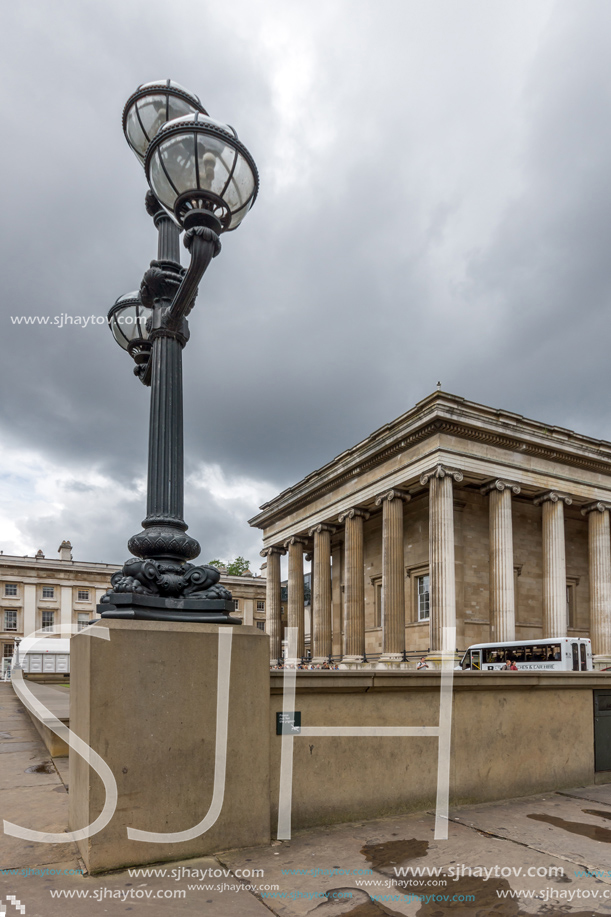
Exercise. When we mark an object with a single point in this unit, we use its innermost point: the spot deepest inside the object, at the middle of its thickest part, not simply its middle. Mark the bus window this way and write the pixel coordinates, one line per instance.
(553, 653)
(465, 662)
(518, 653)
(584, 664)
(493, 656)
(476, 660)
(528, 654)
(575, 650)
(539, 653)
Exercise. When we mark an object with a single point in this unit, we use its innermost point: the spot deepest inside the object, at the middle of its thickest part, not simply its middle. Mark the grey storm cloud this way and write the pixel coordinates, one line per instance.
(434, 204)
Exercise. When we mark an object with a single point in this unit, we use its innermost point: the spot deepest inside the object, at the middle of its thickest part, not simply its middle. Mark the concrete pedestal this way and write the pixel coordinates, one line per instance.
(146, 701)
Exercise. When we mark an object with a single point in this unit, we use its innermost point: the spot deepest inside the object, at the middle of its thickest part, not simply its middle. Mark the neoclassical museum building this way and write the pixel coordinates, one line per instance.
(453, 515)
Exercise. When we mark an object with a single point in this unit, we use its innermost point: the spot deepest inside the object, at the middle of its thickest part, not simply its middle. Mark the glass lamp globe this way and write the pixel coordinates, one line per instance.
(198, 169)
(127, 320)
(151, 105)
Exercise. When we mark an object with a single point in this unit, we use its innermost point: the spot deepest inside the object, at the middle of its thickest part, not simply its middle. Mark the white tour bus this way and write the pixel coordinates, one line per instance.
(556, 654)
(44, 656)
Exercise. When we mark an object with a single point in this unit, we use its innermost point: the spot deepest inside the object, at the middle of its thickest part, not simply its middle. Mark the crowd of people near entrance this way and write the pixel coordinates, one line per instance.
(327, 666)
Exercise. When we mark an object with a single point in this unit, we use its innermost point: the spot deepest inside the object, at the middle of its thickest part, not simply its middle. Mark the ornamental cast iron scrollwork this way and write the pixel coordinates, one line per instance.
(167, 580)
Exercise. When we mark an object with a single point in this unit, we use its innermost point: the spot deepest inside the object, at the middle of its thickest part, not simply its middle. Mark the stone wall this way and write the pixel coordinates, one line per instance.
(508, 740)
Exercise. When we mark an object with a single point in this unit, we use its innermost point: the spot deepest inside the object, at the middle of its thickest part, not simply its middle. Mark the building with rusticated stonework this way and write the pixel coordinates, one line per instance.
(455, 515)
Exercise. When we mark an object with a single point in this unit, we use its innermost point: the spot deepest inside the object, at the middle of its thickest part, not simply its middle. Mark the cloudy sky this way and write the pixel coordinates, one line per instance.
(435, 204)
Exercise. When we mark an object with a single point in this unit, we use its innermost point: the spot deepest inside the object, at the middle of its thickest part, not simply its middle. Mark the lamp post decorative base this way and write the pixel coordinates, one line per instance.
(131, 606)
(158, 590)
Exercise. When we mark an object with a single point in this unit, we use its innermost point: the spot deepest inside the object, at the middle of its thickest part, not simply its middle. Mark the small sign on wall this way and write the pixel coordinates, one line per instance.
(288, 723)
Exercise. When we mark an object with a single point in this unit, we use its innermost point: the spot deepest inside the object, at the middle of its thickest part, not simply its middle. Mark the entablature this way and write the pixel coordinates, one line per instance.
(466, 434)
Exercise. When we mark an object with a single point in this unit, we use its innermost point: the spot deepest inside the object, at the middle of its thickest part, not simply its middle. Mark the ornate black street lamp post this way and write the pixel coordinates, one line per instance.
(202, 181)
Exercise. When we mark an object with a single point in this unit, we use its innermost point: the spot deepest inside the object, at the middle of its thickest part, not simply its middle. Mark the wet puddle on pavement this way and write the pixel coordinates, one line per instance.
(486, 893)
(392, 853)
(359, 904)
(485, 902)
(598, 813)
(594, 832)
(44, 768)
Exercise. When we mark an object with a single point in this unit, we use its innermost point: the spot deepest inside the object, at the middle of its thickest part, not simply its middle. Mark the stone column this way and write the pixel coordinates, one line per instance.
(554, 563)
(599, 543)
(502, 598)
(321, 593)
(393, 576)
(336, 598)
(354, 626)
(308, 608)
(441, 552)
(273, 603)
(295, 606)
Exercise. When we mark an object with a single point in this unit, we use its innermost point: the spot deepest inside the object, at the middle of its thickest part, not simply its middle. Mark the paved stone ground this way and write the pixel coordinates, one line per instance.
(336, 871)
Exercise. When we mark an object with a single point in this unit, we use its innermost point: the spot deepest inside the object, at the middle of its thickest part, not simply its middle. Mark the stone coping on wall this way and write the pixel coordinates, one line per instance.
(355, 682)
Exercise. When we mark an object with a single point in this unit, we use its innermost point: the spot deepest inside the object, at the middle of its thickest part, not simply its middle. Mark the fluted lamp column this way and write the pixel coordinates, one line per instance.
(321, 593)
(502, 593)
(354, 626)
(393, 576)
(295, 604)
(599, 544)
(554, 563)
(441, 553)
(273, 603)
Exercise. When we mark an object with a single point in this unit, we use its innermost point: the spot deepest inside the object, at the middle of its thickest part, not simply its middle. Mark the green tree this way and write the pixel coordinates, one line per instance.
(233, 568)
(238, 566)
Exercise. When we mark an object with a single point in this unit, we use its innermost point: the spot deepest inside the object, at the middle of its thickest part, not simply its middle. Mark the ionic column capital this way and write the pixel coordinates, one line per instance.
(592, 507)
(552, 496)
(500, 484)
(295, 539)
(440, 471)
(393, 494)
(322, 527)
(275, 549)
(354, 513)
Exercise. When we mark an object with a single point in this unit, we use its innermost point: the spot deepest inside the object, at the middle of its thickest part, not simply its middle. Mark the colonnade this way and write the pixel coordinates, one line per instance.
(440, 481)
